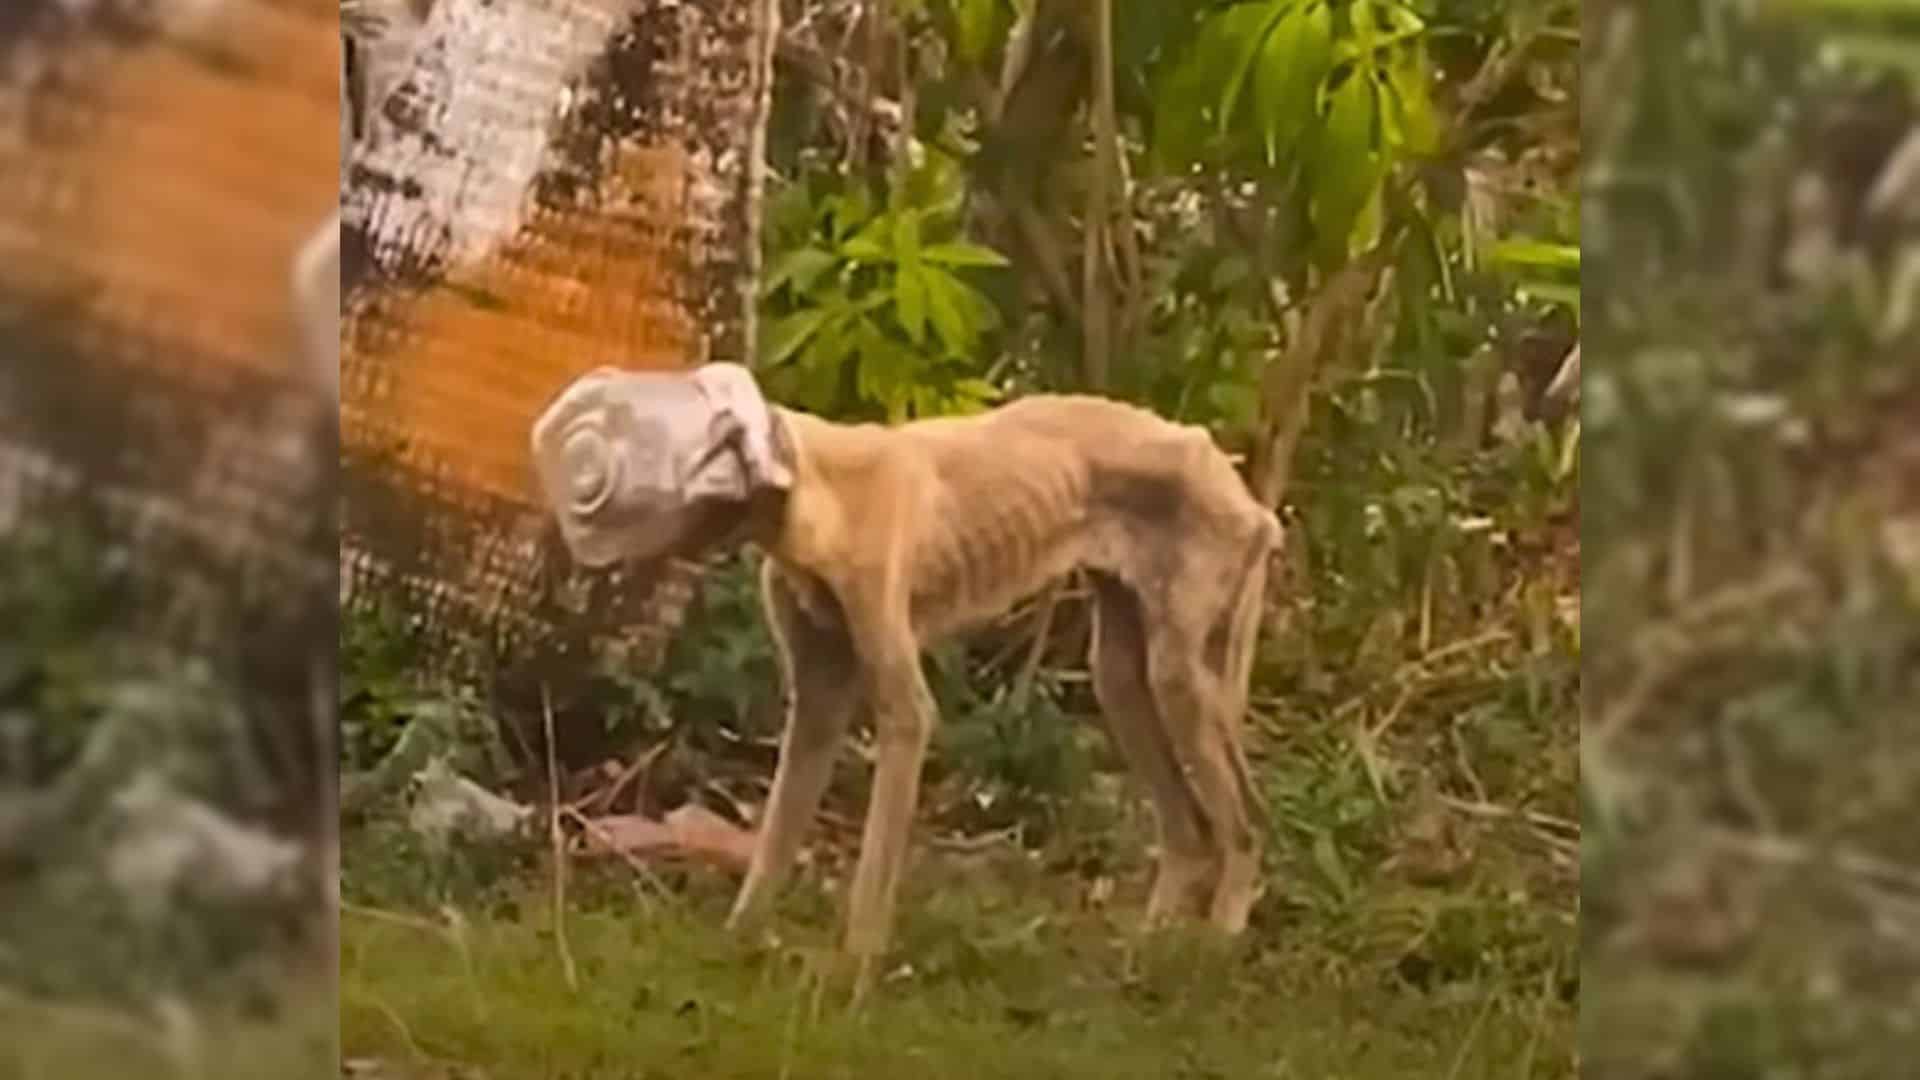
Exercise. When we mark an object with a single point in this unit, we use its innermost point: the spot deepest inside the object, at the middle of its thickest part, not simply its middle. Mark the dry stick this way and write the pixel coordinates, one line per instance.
(598, 801)
(1023, 684)
(400, 1027)
(1669, 647)
(1044, 248)
(1065, 589)
(1133, 275)
(1558, 834)
(1465, 761)
(1741, 784)
(1012, 836)
(1544, 821)
(1096, 328)
(393, 918)
(1366, 740)
(1473, 1033)
(559, 850)
(1782, 851)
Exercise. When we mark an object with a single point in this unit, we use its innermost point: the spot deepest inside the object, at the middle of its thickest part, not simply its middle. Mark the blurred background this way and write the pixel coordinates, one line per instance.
(167, 562)
(1750, 744)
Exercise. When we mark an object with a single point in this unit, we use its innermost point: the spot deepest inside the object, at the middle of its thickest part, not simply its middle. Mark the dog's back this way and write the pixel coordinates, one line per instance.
(1008, 499)
(1132, 462)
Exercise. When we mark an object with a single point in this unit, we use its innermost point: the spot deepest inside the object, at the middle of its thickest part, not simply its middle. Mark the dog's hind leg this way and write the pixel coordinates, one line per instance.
(1187, 870)
(823, 690)
(1233, 664)
(1194, 701)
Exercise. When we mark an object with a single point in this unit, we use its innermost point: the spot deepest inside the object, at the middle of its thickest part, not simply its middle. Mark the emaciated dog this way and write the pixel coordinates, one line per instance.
(883, 539)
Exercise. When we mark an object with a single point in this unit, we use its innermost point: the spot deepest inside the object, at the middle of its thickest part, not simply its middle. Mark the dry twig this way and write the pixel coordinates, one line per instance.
(557, 843)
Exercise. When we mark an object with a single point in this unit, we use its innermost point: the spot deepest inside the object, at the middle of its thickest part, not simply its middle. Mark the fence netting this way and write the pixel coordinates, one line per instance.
(554, 185)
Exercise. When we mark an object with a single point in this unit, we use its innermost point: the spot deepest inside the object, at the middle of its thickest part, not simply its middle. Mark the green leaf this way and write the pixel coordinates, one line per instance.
(1523, 252)
(945, 305)
(872, 301)
(906, 237)
(822, 368)
(1404, 19)
(1370, 219)
(1295, 61)
(1327, 858)
(982, 311)
(924, 400)
(801, 267)
(1346, 167)
(910, 302)
(976, 24)
(1247, 26)
(791, 211)
(871, 242)
(784, 337)
(1553, 292)
(1186, 101)
(1179, 118)
(881, 369)
(976, 390)
(845, 213)
(963, 254)
(1366, 28)
(864, 248)
(1410, 102)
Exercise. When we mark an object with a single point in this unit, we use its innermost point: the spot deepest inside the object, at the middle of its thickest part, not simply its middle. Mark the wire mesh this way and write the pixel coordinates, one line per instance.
(560, 184)
(160, 170)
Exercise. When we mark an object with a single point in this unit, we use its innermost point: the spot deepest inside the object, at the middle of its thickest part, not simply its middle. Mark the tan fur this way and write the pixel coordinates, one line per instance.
(890, 538)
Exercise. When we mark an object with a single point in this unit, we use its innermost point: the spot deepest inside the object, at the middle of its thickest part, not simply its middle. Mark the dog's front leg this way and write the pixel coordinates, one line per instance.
(903, 716)
(821, 680)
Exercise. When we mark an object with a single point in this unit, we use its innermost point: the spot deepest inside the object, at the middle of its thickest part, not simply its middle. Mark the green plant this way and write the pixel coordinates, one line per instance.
(720, 670)
(873, 311)
(378, 691)
(94, 712)
(1322, 98)
(1024, 756)
(1541, 269)
(61, 587)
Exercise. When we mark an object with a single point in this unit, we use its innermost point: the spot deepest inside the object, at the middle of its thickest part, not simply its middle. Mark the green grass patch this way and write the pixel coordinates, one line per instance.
(49, 1040)
(992, 977)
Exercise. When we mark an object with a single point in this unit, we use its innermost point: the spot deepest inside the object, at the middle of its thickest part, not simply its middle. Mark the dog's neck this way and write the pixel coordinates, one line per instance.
(802, 527)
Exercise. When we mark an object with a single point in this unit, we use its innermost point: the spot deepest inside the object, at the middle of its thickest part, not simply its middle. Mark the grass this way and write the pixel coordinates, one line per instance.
(1421, 920)
(997, 973)
(44, 1040)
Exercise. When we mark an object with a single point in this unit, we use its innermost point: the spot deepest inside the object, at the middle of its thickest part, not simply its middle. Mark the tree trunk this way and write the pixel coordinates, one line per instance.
(531, 212)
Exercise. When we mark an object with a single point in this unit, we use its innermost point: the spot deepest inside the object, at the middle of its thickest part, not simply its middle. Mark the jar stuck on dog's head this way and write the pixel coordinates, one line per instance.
(641, 465)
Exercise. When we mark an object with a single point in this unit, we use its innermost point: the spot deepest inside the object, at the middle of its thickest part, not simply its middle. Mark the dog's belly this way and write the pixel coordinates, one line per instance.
(944, 613)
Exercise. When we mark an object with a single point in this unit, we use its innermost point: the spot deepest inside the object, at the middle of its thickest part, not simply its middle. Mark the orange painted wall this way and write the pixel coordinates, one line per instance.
(452, 379)
(180, 178)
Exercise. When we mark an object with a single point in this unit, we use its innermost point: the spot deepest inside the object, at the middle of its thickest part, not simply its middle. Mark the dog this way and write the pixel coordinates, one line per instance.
(881, 540)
